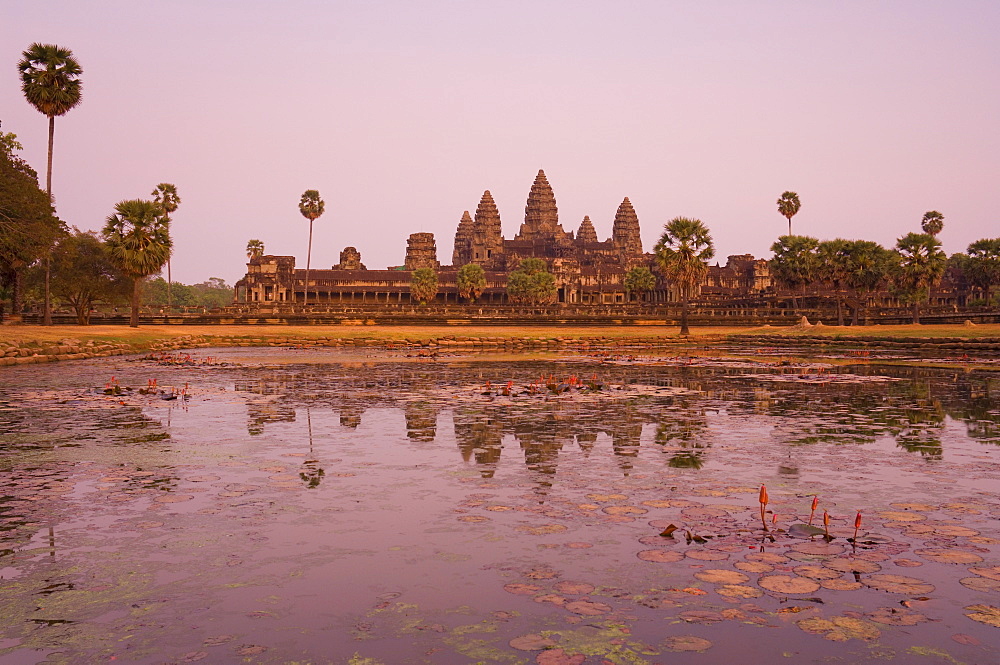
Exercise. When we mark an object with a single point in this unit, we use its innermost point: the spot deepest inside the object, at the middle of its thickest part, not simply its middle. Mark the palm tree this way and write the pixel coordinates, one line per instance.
(788, 205)
(255, 248)
(139, 243)
(795, 263)
(682, 254)
(833, 268)
(639, 280)
(868, 265)
(920, 265)
(471, 281)
(983, 265)
(50, 81)
(932, 223)
(423, 285)
(165, 194)
(311, 206)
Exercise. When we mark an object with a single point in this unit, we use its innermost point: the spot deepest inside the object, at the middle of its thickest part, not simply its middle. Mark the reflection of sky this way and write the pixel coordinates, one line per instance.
(319, 499)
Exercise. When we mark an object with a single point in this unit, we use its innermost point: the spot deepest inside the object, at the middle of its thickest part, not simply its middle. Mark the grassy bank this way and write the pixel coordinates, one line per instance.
(145, 336)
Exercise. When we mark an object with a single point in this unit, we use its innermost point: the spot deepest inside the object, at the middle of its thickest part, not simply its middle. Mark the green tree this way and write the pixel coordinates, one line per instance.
(50, 81)
(423, 285)
(84, 275)
(471, 281)
(795, 263)
(833, 267)
(28, 225)
(139, 243)
(311, 206)
(212, 293)
(682, 254)
(868, 268)
(154, 293)
(165, 194)
(932, 223)
(982, 265)
(255, 248)
(639, 280)
(919, 266)
(531, 283)
(788, 205)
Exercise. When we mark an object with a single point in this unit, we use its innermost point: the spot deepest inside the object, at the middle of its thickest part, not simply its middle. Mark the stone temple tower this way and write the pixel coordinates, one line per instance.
(487, 234)
(625, 233)
(462, 253)
(421, 252)
(541, 216)
(586, 233)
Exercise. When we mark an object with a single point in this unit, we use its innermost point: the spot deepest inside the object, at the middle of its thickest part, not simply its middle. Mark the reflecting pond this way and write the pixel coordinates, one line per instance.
(307, 506)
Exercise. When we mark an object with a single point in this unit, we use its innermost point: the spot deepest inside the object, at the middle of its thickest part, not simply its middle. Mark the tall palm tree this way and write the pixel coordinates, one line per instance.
(932, 223)
(50, 81)
(921, 264)
(682, 254)
(139, 243)
(255, 248)
(311, 206)
(165, 194)
(788, 205)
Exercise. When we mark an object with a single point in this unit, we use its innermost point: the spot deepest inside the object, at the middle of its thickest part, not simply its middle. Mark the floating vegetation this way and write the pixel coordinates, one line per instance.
(615, 510)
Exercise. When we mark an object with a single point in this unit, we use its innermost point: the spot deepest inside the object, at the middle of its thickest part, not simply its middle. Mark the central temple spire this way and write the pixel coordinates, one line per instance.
(541, 216)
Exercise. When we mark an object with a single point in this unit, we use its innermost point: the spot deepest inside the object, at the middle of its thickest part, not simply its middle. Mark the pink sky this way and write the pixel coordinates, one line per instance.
(402, 113)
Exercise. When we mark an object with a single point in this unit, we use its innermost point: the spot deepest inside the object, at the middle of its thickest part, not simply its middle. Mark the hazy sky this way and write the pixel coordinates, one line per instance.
(402, 113)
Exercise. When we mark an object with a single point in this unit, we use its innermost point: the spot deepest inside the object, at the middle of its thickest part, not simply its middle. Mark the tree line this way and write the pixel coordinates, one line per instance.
(80, 268)
(850, 271)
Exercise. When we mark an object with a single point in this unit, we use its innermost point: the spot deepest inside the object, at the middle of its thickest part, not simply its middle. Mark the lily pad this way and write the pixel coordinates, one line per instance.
(852, 565)
(992, 572)
(573, 588)
(987, 614)
(753, 567)
(739, 591)
(687, 643)
(588, 607)
(660, 556)
(949, 556)
(900, 584)
(817, 572)
(531, 642)
(788, 584)
(892, 616)
(559, 657)
(718, 576)
(983, 584)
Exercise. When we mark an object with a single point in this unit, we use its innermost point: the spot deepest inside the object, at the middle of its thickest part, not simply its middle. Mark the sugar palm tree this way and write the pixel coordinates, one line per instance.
(165, 194)
(932, 223)
(50, 81)
(311, 206)
(868, 266)
(920, 265)
(682, 254)
(788, 205)
(795, 263)
(255, 248)
(139, 243)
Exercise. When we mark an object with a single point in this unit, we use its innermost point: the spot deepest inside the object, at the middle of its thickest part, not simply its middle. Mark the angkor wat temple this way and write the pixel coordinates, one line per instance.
(588, 271)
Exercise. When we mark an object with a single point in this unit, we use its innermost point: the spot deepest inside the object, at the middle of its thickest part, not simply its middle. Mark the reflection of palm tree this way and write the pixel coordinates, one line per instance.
(684, 435)
(311, 473)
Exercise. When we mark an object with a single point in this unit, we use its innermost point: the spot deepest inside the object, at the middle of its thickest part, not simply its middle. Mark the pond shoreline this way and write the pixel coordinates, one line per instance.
(23, 345)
